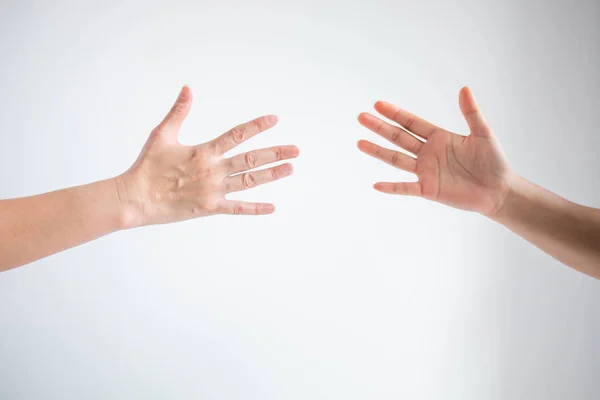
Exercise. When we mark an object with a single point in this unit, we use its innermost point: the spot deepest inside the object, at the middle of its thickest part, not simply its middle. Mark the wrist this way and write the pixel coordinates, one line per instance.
(131, 209)
(506, 207)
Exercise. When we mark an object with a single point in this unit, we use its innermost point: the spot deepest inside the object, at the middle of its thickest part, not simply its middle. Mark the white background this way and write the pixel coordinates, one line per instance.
(343, 293)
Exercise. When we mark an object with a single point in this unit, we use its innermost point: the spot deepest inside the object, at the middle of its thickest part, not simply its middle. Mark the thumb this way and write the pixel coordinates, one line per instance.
(171, 124)
(471, 112)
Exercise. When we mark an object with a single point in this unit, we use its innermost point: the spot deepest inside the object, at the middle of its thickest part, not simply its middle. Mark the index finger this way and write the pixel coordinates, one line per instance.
(243, 132)
(408, 121)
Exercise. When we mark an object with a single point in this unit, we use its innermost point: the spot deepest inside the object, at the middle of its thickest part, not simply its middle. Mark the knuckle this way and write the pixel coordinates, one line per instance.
(156, 131)
(261, 124)
(395, 158)
(409, 121)
(278, 154)
(157, 136)
(238, 209)
(416, 147)
(248, 180)
(201, 162)
(251, 159)
(275, 173)
(178, 108)
(237, 134)
(395, 136)
(413, 166)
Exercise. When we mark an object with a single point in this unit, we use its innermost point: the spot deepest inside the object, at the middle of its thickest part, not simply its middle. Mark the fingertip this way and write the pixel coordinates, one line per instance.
(294, 151)
(382, 186)
(366, 116)
(267, 208)
(361, 144)
(287, 168)
(185, 93)
(381, 104)
(467, 95)
(365, 119)
(466, 100)
(272, 119)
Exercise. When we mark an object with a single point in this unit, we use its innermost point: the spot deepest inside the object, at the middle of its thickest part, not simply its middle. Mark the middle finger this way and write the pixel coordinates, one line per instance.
(390, 132)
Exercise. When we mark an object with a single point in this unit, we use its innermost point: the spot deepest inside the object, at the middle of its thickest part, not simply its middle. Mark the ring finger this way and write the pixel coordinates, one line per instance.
(256, 158)
(249, 180)
(394, 158)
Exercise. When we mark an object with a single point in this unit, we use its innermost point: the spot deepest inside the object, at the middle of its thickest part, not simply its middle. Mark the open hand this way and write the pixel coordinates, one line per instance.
(466, 172)
(171, 182)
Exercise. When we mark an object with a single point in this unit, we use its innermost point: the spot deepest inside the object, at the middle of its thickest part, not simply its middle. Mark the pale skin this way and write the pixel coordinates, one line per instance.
(471, 173)
(169, 182)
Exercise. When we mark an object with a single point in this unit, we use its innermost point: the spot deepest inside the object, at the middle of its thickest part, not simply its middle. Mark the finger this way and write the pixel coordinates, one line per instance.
(249, 180)
(471, 112)
(390, 132)
(171, 124)
(256, 158)
(394, 158)
(403, 188)
(241, 133)
(408, 121)
(243, 208)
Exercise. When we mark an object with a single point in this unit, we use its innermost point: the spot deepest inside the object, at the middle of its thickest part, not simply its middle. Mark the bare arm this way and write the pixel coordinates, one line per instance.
(567, 231)
(37, 226)
(169, 182)
(471, 173)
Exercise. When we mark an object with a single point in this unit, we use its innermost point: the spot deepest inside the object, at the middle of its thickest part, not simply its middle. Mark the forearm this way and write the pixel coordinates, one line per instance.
(35, 227)
(567, 231)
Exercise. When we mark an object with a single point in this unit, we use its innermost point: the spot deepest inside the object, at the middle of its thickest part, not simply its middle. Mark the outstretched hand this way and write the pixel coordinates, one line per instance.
(171, 182)
(466, 172)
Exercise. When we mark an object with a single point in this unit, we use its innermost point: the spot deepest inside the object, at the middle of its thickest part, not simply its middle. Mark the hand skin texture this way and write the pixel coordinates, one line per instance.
(169, 182)
(471, 173)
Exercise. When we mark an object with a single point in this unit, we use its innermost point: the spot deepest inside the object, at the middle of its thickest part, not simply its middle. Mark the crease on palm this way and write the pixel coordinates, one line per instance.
(456, 182)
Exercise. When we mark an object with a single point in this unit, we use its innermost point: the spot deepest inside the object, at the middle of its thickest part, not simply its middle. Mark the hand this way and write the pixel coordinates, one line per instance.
(466, 172)
(171, 182)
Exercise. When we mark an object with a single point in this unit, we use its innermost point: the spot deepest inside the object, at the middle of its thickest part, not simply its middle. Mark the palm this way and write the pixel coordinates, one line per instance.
(467, 172)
